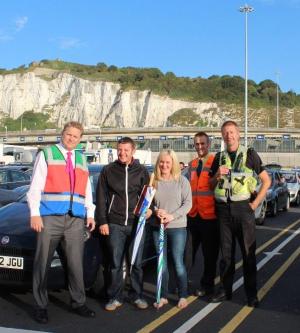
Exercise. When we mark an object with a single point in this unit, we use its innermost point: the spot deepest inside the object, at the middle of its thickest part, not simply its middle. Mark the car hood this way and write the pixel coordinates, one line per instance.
(15, 220)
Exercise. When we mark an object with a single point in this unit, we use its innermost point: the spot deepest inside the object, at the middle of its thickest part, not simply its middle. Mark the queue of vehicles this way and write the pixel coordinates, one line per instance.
(17, 240)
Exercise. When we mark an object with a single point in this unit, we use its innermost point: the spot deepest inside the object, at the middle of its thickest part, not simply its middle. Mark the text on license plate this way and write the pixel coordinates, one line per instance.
(11, 262)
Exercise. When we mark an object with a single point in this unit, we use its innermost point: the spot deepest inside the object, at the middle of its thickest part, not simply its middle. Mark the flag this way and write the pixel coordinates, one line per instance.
(141, 208)
(160, 262)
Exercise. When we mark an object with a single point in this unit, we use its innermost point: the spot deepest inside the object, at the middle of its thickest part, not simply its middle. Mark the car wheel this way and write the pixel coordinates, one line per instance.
(297, 202)
(262, 215)
(274, 208)
(98, 285)
(287, 205)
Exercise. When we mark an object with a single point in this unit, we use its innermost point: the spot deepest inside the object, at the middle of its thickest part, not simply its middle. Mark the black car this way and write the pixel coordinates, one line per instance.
(17, 248)
(8, 196)
(278, 196)
(11, 177)
(18, 242)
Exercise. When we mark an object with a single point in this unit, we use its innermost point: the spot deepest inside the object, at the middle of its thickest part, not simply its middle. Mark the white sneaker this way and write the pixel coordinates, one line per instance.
(141, 304)
(112, 305)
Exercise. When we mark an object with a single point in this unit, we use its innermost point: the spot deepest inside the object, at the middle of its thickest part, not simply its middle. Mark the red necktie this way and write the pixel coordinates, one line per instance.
(70, 170)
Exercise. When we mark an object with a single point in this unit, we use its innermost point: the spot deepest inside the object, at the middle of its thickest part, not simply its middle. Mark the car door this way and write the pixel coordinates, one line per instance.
(285, 192)
(281, 190)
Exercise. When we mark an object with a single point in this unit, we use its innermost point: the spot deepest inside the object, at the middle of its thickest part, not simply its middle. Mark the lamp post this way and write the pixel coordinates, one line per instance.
(21, 122)
(277, 99)
(246, 9)
(5, 132)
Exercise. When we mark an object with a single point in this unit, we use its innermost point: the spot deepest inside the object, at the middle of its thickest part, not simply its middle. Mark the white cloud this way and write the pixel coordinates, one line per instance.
(5, 36)
(69, 43)
(9, 33)
(20, 22)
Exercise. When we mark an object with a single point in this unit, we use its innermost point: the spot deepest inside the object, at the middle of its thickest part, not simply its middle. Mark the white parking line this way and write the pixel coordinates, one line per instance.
(210, 307)
(264, 227)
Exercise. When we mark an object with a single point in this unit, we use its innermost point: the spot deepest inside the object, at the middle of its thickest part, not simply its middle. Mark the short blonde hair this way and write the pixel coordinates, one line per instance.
(230, 123)
(175, 171)
(74, 124)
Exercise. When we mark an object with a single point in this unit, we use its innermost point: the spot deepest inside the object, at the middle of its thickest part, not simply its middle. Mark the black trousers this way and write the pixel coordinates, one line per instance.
(237, 222)
(204, 233)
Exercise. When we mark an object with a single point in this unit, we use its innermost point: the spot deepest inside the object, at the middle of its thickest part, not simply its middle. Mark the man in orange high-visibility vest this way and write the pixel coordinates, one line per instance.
(202, 223)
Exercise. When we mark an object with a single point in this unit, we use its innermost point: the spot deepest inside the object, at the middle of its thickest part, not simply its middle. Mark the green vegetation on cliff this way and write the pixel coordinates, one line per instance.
(29, 120)
(226, 89)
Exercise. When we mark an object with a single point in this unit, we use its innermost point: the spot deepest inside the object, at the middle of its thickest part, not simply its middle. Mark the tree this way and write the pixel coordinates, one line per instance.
(101, 66)
(112, 68)
(267, 84)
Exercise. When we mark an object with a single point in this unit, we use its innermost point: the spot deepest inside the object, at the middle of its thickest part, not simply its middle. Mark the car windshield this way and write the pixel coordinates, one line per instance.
(289, 177)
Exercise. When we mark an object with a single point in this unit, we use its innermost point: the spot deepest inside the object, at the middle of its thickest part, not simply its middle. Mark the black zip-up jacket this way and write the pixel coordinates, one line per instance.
(118, 189)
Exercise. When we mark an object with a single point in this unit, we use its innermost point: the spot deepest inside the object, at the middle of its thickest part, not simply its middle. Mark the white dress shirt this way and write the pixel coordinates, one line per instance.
(38, 183)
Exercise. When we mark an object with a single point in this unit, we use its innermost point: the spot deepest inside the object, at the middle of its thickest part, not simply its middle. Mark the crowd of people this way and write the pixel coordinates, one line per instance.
(213, 207)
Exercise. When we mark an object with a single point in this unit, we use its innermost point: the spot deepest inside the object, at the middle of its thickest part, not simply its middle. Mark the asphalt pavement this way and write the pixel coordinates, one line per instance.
(278, 262)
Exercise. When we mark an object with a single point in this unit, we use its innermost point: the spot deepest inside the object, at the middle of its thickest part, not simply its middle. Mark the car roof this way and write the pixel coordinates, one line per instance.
(273, 166)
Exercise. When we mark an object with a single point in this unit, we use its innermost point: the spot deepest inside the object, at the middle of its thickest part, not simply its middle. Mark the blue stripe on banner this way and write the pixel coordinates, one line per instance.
(140, 225)
(144, 205)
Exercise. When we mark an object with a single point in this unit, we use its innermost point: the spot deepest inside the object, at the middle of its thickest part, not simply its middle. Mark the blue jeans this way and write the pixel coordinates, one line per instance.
(175, 239)
(120, 245)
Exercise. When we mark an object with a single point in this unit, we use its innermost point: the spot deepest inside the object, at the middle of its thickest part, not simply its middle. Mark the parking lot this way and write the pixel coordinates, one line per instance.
(278, 282)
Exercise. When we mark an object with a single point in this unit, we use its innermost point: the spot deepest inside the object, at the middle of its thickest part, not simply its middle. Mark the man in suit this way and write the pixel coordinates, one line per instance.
(60, 199)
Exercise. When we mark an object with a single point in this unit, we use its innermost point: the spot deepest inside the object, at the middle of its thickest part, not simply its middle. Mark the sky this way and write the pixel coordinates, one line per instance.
(191, 38)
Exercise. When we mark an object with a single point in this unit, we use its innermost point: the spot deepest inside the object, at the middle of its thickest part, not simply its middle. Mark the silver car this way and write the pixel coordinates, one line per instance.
(293, 184)
(261, 210)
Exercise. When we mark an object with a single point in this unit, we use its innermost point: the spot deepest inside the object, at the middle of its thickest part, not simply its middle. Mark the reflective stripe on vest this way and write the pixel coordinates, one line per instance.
(237, 186)
(57, 198)
(203, 193)
(203, 197)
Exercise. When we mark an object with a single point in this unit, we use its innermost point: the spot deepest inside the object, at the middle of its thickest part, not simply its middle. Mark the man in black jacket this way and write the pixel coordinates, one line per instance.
(118, 190)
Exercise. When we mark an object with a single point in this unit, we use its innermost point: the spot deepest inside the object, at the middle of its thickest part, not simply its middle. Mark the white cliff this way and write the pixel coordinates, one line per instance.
(94, 103)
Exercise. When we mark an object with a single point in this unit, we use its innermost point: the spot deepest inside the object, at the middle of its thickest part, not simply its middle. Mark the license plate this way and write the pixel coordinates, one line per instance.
(11, 262)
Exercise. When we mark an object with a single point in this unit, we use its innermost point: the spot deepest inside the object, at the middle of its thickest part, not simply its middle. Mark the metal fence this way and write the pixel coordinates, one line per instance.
(185, 145)
(283, 144)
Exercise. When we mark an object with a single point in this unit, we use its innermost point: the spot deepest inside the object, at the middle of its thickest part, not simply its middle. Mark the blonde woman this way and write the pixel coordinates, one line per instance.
(173, 200)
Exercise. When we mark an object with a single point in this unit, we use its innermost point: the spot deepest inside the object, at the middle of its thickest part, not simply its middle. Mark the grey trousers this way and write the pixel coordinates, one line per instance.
(69, 230)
